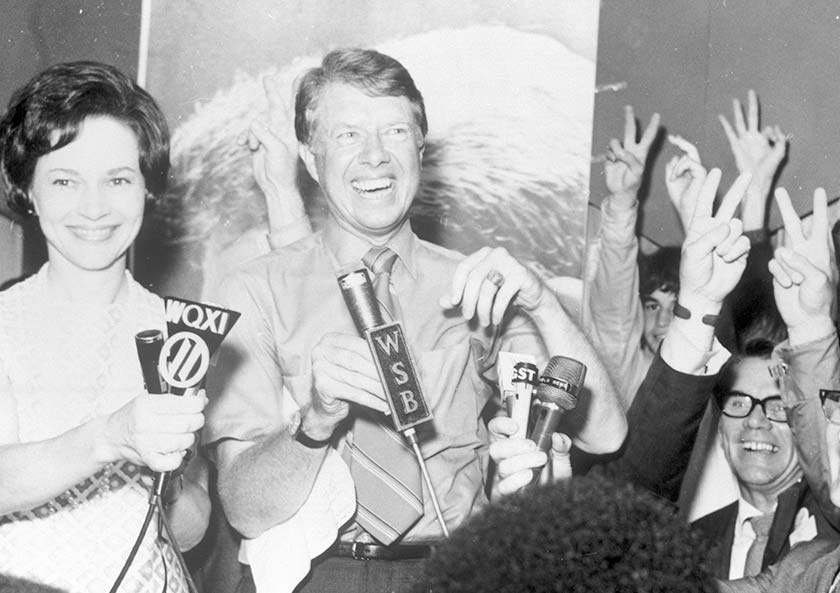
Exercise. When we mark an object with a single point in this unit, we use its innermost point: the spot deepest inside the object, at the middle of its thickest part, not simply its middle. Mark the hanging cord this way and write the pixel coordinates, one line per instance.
(149, 514)
(156, 504)
(174, 543)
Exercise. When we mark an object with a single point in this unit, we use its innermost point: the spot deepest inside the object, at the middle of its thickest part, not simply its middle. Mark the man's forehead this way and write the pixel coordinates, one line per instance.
(752, 376)
(660, 296)
(339, 102)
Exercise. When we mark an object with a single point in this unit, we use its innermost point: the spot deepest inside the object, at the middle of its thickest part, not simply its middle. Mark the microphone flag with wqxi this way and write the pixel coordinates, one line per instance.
(179, 363)
(195, 333)
(390, 351)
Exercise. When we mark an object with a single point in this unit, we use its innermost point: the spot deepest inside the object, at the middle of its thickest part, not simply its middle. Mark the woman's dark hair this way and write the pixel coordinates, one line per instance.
(371, 72)
(583, 535)
(659, 271)
(48, 111)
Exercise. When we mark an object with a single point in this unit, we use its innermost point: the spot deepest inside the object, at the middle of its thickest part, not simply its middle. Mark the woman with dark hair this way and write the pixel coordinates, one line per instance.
(84, 149)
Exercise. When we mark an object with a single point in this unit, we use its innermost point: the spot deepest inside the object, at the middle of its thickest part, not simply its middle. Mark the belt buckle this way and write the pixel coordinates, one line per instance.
(356, 550)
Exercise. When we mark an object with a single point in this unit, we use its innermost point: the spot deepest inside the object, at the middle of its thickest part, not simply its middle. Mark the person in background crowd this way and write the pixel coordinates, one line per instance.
(626, 314)
(775, 509)
(613, 316)
(808, 366)
(749, 312)
(85, 149)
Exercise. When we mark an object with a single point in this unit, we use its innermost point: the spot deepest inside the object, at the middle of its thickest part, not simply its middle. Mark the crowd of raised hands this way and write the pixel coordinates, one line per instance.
(791, 312)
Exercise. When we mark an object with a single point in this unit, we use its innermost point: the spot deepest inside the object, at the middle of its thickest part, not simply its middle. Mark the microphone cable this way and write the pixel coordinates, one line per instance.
(150, 512)
(174, 543)
(155, 504)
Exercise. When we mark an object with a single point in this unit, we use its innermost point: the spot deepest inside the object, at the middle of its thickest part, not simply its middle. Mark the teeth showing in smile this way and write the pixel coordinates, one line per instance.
(93, 234)
(758, 446)
(368, 186)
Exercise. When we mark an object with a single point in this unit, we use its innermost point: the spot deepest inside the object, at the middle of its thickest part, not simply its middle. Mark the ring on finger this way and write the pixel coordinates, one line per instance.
(496, 278)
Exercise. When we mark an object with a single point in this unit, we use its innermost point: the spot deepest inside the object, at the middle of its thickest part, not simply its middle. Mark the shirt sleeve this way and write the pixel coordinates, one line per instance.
(245, 386)
(615, 315)
(807, 369)
(662, 428)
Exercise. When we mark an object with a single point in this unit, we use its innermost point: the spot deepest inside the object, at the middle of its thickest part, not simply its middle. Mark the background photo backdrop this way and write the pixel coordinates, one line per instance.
(509, 95)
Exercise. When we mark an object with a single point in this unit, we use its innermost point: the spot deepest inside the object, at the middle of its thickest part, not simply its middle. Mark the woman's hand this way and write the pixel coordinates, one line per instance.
(154, 430)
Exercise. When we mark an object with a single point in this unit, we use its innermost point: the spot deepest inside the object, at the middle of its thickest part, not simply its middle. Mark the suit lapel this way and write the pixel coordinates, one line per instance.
(727, 538)
(788, 505)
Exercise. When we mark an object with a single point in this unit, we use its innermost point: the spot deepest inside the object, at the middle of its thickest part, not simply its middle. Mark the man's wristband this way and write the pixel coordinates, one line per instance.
(683, 313)
(306, 440)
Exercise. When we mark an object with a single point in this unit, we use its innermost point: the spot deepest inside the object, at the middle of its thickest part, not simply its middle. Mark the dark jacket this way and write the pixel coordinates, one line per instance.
(719, 528)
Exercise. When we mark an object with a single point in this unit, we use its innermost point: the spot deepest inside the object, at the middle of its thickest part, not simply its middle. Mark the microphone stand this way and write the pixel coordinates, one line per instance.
(411, 435)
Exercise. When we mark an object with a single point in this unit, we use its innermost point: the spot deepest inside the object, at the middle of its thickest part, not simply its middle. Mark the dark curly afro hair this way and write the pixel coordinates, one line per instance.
(584, 535)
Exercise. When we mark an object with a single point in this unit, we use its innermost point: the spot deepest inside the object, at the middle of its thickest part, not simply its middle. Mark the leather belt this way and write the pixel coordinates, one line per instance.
(366, 551)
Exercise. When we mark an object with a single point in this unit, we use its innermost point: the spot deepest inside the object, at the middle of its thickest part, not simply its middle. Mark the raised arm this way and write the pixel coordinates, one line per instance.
(614, 310)
(684, 176)
(758, 152)
(804, 289)
(274, 159)
(666, 413)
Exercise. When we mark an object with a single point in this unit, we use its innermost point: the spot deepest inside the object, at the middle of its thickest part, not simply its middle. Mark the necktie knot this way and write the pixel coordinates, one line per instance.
(761, 525)
(380, 260)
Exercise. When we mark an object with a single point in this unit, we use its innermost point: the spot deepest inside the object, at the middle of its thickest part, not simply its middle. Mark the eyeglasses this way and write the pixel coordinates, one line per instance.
(831, 405)
(740, 405)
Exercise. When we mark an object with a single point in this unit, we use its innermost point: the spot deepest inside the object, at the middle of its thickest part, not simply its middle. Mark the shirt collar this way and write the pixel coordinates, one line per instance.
(347, 249)
(746, 511)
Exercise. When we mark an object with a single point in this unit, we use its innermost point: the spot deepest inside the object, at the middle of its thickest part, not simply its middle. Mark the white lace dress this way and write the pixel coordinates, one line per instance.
(66, 364)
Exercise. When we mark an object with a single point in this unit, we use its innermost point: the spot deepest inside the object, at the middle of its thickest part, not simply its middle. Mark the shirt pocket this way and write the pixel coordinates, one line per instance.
(448, 381)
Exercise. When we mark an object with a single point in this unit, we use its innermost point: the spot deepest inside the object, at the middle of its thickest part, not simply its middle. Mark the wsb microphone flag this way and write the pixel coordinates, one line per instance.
(390, 351)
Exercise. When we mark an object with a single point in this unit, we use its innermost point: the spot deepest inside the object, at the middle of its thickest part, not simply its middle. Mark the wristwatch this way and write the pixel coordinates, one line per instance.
(304, 439)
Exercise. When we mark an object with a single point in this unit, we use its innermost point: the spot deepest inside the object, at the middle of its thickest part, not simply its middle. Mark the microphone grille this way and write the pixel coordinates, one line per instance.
(561, 381)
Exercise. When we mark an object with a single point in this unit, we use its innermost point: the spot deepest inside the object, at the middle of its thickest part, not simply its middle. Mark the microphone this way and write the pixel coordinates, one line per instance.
(149, 345)
(557, 393)
(395, 368)
(390, 351)
(518, 376)
(179, 364)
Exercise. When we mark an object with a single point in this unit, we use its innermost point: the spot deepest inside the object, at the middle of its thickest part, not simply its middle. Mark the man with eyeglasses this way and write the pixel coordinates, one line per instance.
(775, 509)
(808, 366)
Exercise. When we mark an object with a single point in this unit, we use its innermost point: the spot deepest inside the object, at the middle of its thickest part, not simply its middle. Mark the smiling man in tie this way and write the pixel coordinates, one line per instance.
(361, 126)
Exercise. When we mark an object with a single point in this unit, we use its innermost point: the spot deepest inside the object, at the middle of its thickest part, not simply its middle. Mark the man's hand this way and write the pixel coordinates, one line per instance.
(516, 459)
(757, 152)
(343, 372)
(486, 282)
(684, 176)
(715, 250)
(274, 157)
(625, 164)
(803, 271)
